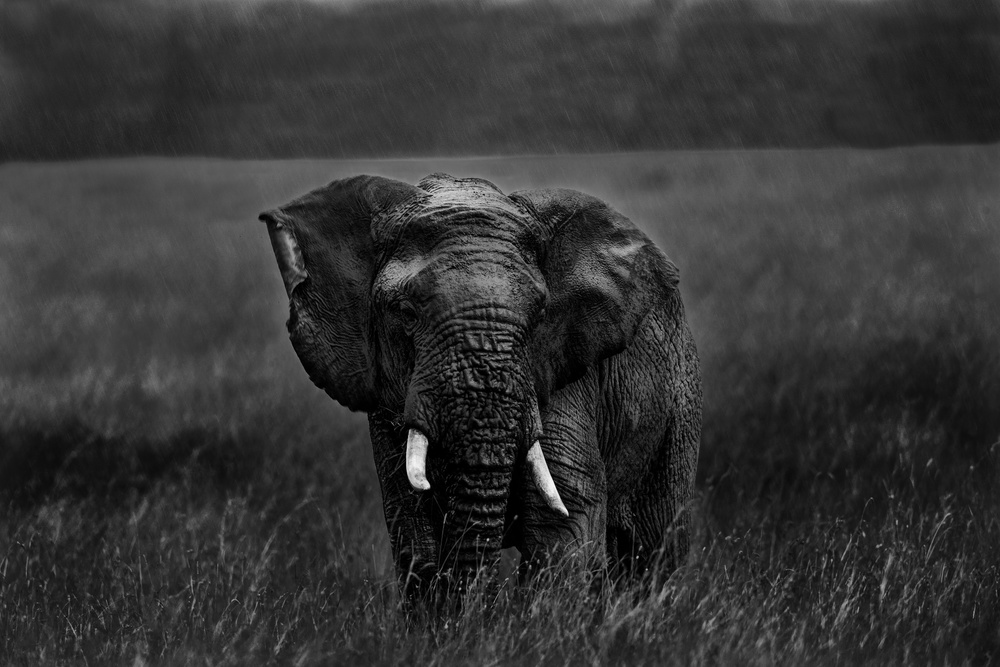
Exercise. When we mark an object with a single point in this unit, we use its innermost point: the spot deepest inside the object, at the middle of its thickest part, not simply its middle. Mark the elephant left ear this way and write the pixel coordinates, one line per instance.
(603, 275)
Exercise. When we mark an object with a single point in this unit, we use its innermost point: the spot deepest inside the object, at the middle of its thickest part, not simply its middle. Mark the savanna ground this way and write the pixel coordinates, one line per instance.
(175, 491)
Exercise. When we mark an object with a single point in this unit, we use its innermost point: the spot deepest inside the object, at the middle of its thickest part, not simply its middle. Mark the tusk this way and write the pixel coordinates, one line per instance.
(416, 460)
(543, 479)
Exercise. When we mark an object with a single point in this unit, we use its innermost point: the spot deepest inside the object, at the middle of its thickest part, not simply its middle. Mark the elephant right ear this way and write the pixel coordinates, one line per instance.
(603, 275)
(323, 242)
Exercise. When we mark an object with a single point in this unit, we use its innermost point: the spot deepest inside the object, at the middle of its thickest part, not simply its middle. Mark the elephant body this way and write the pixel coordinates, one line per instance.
(524, 360)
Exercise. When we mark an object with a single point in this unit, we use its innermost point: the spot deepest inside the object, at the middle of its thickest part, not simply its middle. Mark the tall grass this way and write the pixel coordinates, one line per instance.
(175, 490)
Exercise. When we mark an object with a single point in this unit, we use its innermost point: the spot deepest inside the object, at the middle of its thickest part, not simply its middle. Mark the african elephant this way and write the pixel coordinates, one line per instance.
(524, 361)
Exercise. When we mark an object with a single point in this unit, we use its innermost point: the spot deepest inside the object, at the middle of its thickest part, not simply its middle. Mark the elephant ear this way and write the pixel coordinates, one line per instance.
(323, 242)
(603, 275)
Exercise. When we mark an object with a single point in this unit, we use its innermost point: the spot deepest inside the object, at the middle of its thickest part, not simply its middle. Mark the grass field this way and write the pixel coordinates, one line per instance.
(175, 491)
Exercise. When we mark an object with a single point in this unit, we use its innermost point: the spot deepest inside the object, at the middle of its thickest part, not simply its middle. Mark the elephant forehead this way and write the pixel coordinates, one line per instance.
(463, 209)
(472, 193)
(461, 277)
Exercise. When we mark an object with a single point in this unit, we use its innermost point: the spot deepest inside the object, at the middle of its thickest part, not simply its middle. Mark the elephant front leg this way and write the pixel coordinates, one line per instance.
(414, 550)
(407, 514)
(570, 445)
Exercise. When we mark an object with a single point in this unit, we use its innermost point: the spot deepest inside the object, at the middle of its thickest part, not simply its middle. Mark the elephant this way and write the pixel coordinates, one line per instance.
(525, 363)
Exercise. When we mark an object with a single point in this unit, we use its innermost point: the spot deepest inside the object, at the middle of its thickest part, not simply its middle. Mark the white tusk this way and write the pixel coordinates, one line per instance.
(543, 479)
(416, 460)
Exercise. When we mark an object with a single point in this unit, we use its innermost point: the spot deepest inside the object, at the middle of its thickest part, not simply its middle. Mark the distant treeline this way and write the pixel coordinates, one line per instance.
(123, 77)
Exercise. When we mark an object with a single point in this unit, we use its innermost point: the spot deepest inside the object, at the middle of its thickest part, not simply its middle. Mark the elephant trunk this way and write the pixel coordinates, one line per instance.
(473, 417)
(416, 469)
(474, 523)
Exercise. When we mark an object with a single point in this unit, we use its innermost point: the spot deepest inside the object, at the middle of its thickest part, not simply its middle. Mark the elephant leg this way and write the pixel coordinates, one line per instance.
(652, 530)
(655, 426)
(661, 507)
(571, 450)
(407, 513)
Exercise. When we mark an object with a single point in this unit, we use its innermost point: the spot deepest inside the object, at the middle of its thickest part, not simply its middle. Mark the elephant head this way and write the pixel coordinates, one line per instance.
(450, 312)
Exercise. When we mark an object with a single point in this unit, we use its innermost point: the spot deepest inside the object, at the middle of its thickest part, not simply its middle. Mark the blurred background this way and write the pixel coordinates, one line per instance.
(341, 78)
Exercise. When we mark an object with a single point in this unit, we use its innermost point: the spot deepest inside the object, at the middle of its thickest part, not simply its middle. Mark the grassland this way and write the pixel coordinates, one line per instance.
(175, 491)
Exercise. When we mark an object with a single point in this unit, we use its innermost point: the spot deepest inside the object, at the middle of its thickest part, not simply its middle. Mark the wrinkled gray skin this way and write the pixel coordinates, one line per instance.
(486, 321)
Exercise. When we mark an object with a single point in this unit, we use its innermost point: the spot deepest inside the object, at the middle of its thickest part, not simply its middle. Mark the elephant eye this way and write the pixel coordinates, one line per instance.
(407, 315)
(541, 304)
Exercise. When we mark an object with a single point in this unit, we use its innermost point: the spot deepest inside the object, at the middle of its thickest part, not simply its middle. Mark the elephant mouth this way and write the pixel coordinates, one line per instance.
(417, 445)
